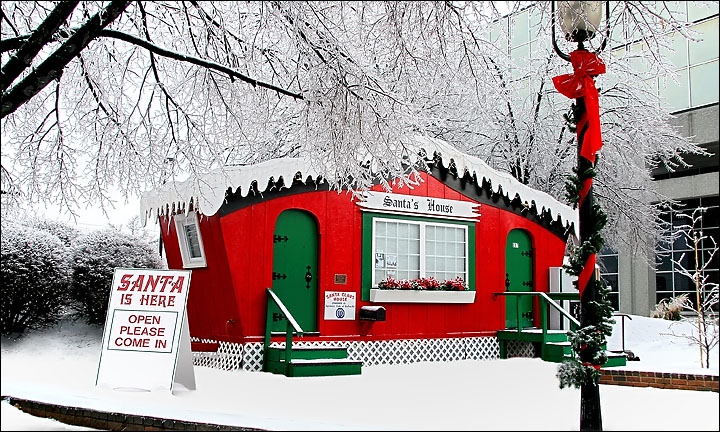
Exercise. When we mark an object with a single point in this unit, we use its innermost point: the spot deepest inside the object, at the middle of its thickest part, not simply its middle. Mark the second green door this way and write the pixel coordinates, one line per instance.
(518, 278)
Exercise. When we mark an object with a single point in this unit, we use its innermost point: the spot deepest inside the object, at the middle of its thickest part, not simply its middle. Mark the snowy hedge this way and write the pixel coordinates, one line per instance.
(95, 256)
(65, 232)
(35, 278)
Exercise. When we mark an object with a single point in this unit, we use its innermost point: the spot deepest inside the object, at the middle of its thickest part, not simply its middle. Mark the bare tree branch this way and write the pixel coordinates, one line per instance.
(22, 59)
(197, 61)
(53, 66)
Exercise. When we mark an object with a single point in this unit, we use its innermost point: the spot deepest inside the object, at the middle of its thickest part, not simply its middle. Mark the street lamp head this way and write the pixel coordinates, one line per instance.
(579, 20)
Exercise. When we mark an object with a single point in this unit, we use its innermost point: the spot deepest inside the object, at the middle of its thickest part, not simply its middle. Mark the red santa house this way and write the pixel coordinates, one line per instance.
(291, 276)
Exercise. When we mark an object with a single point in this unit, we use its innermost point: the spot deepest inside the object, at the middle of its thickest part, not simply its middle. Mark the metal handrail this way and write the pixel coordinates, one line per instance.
(291, 326)
(543, 317)
(285, 312)
(622, 326)
(563, 295)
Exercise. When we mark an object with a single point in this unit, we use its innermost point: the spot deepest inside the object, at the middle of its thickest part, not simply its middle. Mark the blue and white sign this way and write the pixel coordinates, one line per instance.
(340, 305)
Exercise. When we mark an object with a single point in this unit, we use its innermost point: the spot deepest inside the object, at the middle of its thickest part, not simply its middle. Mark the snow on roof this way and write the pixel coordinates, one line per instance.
(207, 193)
(510, 186)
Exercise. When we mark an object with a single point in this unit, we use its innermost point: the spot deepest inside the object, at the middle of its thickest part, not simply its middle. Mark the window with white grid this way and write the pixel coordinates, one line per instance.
(190, 240)
(413, 249)
(445, 255)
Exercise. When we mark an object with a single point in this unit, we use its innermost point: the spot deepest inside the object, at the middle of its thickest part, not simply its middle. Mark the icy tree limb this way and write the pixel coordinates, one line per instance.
(24, 56)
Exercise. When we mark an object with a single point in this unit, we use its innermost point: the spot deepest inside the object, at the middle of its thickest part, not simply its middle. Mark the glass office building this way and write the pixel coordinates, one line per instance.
(691, 96)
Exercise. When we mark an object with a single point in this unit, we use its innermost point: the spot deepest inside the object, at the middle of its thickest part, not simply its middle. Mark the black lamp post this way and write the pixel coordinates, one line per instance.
(579, 21)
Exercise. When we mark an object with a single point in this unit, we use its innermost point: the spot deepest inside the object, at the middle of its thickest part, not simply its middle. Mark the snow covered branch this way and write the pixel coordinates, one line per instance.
(213, 84)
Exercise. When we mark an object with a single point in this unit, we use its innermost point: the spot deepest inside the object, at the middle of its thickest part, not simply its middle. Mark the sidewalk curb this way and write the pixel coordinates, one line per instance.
(113, 421)
(663, 380)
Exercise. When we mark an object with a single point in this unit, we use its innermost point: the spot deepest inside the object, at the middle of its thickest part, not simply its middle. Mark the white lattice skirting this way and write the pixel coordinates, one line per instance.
(248, 356)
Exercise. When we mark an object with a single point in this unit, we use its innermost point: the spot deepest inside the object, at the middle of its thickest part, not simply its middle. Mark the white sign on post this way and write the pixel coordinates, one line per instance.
(146, 340)
(340, 305)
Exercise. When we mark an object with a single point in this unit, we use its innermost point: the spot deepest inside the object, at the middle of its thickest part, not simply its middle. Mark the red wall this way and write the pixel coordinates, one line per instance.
(212, 307)
(242, 266)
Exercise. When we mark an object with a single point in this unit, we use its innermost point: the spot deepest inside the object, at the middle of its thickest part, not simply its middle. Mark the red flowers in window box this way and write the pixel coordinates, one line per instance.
(429, 284)
(457, 284)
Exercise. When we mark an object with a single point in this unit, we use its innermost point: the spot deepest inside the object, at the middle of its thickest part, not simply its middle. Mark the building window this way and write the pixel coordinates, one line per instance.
(608, 263)
(190, 240)
(669, 282)
(410, 248)
(694, 62)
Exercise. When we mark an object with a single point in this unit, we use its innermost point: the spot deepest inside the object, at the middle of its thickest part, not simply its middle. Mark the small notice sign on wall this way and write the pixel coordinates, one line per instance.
(340, 305)
(146, 341)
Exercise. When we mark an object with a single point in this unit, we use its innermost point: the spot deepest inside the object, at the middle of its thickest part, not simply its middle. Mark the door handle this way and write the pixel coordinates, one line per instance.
(308, 277)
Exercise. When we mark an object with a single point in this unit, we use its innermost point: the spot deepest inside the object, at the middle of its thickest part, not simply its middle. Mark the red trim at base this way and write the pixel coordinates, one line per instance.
(204, 346)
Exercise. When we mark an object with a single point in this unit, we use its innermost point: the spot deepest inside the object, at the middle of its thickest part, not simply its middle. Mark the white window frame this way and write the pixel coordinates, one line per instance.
(181, 221)
(423, 225)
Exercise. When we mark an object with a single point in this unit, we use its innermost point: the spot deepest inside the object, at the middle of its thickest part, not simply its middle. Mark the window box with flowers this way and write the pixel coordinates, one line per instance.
(422, 290)
(409, 259)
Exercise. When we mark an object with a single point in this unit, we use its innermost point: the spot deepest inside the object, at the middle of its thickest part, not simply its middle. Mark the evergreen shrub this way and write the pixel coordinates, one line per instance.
(65, 232)
(95, 256)
(36, 272)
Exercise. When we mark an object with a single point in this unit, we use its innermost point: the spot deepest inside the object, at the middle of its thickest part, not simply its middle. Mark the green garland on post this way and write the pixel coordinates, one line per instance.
(589, 341)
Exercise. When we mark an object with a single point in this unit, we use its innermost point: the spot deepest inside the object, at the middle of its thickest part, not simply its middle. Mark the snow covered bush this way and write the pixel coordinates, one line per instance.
(669, 308)
(35, 278)
(95, 256)
(65, 232)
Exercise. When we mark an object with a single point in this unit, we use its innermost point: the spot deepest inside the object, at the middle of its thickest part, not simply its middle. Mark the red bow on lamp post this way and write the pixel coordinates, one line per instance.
(580, 84)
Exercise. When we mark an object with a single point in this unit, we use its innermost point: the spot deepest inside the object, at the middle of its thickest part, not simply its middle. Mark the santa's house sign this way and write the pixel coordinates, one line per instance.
(426, 206)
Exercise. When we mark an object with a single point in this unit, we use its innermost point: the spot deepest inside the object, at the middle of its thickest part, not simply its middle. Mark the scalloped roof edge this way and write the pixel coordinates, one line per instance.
(208, 192)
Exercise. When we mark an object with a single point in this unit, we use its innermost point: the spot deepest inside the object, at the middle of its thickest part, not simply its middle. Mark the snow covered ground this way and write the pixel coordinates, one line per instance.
(60, 365)
(659, 350)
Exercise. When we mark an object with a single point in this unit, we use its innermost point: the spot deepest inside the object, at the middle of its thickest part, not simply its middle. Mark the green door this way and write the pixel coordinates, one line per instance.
(295, 248)
(518, 277)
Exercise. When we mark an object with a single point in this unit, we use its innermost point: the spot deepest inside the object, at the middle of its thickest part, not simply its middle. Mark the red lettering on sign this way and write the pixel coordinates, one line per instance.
(142, 331)
(165, 281)
(144, 319)
(124, 282)
(161, 300)
(152, 283)
(132, 342)
(177, 287)
(137, 285)
(145, 283)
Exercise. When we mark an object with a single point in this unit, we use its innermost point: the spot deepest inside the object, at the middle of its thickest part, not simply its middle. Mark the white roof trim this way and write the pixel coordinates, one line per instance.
(510, 185)
(208, 193)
